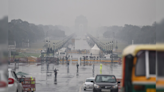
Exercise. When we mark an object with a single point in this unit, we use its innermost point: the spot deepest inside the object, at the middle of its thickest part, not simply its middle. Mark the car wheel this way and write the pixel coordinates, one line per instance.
(84, 89)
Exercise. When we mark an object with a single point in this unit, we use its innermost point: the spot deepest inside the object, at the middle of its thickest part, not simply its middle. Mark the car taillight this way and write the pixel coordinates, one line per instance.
(10, 81)
(3, 84)
(139, 87)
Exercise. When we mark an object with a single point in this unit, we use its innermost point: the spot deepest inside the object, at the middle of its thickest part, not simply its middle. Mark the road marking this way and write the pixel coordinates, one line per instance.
(80, 88)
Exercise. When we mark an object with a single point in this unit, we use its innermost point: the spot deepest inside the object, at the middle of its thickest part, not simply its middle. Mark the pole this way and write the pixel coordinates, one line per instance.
(112, 58)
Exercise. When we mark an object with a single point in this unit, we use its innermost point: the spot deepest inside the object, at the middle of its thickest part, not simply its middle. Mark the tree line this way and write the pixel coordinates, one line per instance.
(149, 34)
(21, 31)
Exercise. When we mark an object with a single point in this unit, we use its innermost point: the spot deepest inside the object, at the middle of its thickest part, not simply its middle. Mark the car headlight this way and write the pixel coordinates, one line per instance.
(115, 86)
(96, 86)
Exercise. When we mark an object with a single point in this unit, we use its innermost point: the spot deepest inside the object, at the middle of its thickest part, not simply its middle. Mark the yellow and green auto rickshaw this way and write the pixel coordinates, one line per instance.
(140, 67)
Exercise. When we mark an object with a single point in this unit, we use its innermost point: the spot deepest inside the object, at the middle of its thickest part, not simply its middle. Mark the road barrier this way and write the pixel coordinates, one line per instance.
(64, 60)
(74, 59)
(28, 84)
(115, 61)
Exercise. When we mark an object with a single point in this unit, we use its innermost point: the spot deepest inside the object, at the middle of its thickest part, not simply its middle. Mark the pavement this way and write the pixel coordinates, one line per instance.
(68, 78)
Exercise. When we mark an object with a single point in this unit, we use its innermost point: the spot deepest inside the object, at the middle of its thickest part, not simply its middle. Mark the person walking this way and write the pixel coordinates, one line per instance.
(77, 66)
(55, 72)
(100, 68)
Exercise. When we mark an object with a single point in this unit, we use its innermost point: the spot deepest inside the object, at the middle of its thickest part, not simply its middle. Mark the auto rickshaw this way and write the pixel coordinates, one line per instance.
(140, 67)
(160, 69)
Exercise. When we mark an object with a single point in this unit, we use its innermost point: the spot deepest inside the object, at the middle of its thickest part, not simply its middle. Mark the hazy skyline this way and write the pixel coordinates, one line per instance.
(99, 13)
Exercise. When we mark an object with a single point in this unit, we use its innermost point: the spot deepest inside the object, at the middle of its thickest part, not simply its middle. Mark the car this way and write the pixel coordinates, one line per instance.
(105, 83)
(3, 81)
(13, 84)
(88, 84)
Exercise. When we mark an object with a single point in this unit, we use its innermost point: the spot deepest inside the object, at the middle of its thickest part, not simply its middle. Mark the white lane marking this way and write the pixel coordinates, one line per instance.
(80, 88)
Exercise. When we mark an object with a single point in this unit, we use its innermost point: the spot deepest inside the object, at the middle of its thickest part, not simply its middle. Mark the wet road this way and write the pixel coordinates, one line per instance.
(68, 78)
(81, 44)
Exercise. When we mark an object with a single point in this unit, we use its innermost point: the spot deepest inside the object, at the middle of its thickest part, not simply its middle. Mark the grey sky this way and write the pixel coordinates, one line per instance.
(98, 12)
(3, 8)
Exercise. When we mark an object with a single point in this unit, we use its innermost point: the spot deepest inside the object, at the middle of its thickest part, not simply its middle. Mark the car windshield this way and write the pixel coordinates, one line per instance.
(89, 80)
(106, 78)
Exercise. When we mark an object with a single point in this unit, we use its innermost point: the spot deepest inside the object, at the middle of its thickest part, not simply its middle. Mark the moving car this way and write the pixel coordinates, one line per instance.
(88, 84)
(105, 83)
(13, 84)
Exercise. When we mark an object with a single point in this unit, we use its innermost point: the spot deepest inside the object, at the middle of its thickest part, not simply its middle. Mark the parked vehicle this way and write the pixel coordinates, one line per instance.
(105, 83)
(14, 85)
(3, 81)
(88, 84)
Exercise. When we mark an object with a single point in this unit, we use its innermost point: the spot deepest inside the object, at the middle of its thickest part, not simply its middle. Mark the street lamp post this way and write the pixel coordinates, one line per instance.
(106, 48)
(110, 47)
(112, 57)
(116, 45)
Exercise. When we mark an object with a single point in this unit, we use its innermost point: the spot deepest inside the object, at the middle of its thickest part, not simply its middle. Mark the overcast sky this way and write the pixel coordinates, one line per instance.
(98, 12)
(3, 8)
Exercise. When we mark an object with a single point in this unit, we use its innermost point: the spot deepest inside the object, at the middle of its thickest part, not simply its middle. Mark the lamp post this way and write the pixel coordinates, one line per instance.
(112, 57)
(107, 48)
(110, 47)
(54, 46)
(46, 43)
(104, 47)
(116, 45)
(49, 44)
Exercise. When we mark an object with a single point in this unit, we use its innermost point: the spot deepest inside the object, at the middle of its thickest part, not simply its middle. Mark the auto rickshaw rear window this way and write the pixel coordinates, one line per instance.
(152, 62)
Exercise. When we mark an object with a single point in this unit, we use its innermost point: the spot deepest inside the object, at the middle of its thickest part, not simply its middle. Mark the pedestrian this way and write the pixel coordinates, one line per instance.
(100, 66)
(47, 66)
(55, 72)
(77, 66)
(93, 67)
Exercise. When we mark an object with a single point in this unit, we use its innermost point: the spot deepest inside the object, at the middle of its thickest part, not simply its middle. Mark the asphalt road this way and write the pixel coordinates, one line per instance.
(68, 78)
(81, 44)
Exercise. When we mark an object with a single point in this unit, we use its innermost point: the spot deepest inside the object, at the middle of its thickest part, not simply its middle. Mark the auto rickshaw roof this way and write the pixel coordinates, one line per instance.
(133, 49)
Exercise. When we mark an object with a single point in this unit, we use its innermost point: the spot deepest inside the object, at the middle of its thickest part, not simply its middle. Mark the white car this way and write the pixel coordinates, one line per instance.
(13, 84)
(3, 81)
(88, 84)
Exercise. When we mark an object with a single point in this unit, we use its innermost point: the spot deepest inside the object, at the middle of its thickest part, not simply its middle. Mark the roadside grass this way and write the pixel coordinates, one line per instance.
(27, 55)
(40, 44)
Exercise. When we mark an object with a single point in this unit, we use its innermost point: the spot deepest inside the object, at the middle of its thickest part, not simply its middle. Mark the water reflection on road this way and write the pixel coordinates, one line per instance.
(69, 78)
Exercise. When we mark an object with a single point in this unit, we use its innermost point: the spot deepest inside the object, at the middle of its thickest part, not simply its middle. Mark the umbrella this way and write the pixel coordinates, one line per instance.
(21, 73)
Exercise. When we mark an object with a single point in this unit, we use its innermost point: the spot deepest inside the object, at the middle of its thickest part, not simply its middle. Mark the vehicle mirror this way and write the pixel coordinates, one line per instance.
(92, 81)
(118, 82)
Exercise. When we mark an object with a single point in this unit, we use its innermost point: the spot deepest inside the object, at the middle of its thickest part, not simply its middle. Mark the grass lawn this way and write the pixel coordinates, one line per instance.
(40, 44)
(27, 55)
